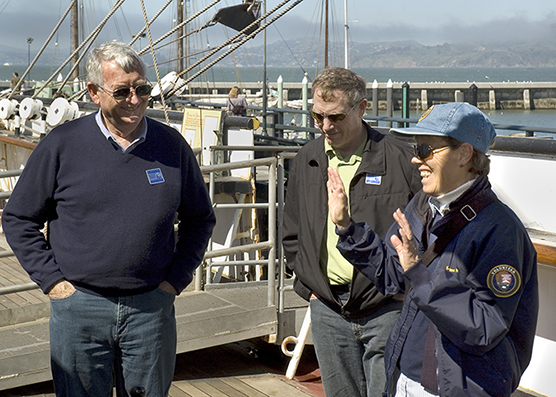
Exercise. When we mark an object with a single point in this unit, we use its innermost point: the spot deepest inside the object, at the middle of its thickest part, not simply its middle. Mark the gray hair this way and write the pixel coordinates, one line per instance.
(113, 51)
(331, 79)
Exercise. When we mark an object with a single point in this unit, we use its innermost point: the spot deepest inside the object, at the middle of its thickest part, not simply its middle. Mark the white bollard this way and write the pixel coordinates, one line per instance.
(280, 83)
(305, 102)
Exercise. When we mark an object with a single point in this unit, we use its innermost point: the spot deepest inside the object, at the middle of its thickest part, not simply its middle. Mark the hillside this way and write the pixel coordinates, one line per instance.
(384, 54)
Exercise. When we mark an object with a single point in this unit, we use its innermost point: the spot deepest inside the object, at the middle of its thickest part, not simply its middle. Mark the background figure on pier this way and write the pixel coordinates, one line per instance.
(236, 104)
(110, 186)
(351, 319)
(14, 80)
(463, 259)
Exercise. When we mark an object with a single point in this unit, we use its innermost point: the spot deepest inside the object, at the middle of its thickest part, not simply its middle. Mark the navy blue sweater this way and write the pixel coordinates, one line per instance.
(110, 214)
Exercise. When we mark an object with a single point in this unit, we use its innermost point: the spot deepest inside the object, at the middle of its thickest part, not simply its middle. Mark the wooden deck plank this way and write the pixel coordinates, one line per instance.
(243, 387)
(175, 391)
(205, 385)
(188, 388)
(272, 385)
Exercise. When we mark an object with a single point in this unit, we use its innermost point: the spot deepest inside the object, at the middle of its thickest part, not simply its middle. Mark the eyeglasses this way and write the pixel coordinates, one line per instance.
(333, 118)
(423, 151)
(120, 94)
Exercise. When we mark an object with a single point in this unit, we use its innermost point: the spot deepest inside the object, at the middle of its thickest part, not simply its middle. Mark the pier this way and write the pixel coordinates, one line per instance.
(491, 95)
(519, 95)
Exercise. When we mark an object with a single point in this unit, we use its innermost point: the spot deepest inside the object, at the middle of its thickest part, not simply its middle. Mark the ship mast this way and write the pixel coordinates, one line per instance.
(346, 27)
(180, 36)
(75, 37)
(326, 34)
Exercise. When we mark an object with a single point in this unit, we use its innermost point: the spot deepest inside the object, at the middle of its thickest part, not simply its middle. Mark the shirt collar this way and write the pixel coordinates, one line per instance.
(441, 204)
(331, 152)
(109, 136)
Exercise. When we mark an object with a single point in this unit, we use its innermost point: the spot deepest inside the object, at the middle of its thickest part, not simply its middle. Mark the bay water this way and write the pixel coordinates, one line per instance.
(545, 118)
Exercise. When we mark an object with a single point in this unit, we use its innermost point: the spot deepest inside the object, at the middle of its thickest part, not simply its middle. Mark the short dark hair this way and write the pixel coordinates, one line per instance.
(334, 78)
(480, 163)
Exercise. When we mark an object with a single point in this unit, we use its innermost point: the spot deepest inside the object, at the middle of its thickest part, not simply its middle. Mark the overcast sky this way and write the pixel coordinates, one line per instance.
(429, 22)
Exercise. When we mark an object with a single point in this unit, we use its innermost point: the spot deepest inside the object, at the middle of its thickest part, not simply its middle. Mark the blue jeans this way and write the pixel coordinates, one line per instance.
(350, 352)
(91, 337)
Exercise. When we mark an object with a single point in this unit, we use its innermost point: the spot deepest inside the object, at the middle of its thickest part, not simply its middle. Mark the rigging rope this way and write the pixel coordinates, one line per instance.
(228, 42)
(243, 41)
(144, 51)
(155, 63)
(22, 79)
(138, 35)
(291, 52)
(90, 39)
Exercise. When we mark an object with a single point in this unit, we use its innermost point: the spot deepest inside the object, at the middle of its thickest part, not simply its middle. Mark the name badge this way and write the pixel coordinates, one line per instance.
(155, 176)
(373, 179)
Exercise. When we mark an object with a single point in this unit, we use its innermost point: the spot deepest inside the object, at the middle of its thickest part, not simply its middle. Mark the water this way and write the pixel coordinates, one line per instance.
(535, 118)
(255, 73)
(543, 118)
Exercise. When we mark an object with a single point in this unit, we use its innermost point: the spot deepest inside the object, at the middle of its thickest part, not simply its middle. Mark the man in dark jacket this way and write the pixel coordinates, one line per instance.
(351, 319)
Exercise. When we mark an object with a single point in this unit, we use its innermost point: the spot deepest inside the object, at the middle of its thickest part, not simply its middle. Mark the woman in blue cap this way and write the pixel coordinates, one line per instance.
(463, 259)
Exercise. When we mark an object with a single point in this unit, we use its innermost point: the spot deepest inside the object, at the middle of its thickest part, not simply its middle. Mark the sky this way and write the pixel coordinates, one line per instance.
(429, 22)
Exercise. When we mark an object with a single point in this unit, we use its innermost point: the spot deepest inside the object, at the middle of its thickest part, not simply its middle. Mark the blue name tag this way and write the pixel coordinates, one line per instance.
(155, 176)
(373, 179)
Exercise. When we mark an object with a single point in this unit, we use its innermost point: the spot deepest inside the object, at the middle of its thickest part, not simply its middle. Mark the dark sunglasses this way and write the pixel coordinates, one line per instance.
(423, 151)
(124, 92)
(333, 118)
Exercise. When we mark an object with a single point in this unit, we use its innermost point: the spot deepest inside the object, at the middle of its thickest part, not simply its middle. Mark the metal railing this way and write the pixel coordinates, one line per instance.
(274, 261)
(274, 207)
(277, 126)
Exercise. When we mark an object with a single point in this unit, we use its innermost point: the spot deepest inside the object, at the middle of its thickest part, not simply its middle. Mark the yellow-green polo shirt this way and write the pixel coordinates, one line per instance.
(333, 264)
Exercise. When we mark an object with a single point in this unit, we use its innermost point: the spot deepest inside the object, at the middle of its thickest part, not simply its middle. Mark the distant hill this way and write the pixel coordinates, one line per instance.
(404, 54)
(413, 54)
(382, 54)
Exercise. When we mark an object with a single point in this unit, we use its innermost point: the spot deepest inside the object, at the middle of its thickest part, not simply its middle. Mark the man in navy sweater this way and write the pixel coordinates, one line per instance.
(110, 187)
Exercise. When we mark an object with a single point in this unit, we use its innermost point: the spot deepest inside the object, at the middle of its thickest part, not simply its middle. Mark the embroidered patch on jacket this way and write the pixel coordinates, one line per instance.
(503, 281)
(155, 176)
(373, 179)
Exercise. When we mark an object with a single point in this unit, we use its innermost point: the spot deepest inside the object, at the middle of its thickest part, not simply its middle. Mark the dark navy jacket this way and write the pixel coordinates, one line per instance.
(482, 296)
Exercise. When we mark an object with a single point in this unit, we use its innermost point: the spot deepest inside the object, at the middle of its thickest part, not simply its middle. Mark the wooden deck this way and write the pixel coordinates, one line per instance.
(244, 369)
(222, 315)
(221, 350)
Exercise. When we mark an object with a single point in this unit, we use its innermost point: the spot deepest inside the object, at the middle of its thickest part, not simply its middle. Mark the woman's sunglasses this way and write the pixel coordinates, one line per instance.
(333, 118)
(124, 92)
(423, 151)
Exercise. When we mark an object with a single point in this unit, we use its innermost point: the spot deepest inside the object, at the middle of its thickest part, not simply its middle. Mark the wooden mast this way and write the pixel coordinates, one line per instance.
(181, 57)
(75, 37)
(326, 34)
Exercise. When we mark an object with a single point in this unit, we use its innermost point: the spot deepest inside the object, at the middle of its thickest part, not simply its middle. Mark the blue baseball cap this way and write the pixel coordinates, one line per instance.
(458, 120)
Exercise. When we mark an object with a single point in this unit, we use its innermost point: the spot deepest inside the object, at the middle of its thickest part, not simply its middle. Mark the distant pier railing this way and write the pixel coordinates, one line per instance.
(490, 95)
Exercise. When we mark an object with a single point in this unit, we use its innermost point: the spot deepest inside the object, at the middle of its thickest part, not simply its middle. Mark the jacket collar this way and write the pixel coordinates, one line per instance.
(481, 184)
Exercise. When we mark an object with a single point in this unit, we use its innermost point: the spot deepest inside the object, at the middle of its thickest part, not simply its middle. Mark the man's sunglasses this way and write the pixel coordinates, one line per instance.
(333, 118)
(120, 94)
(423, 151)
